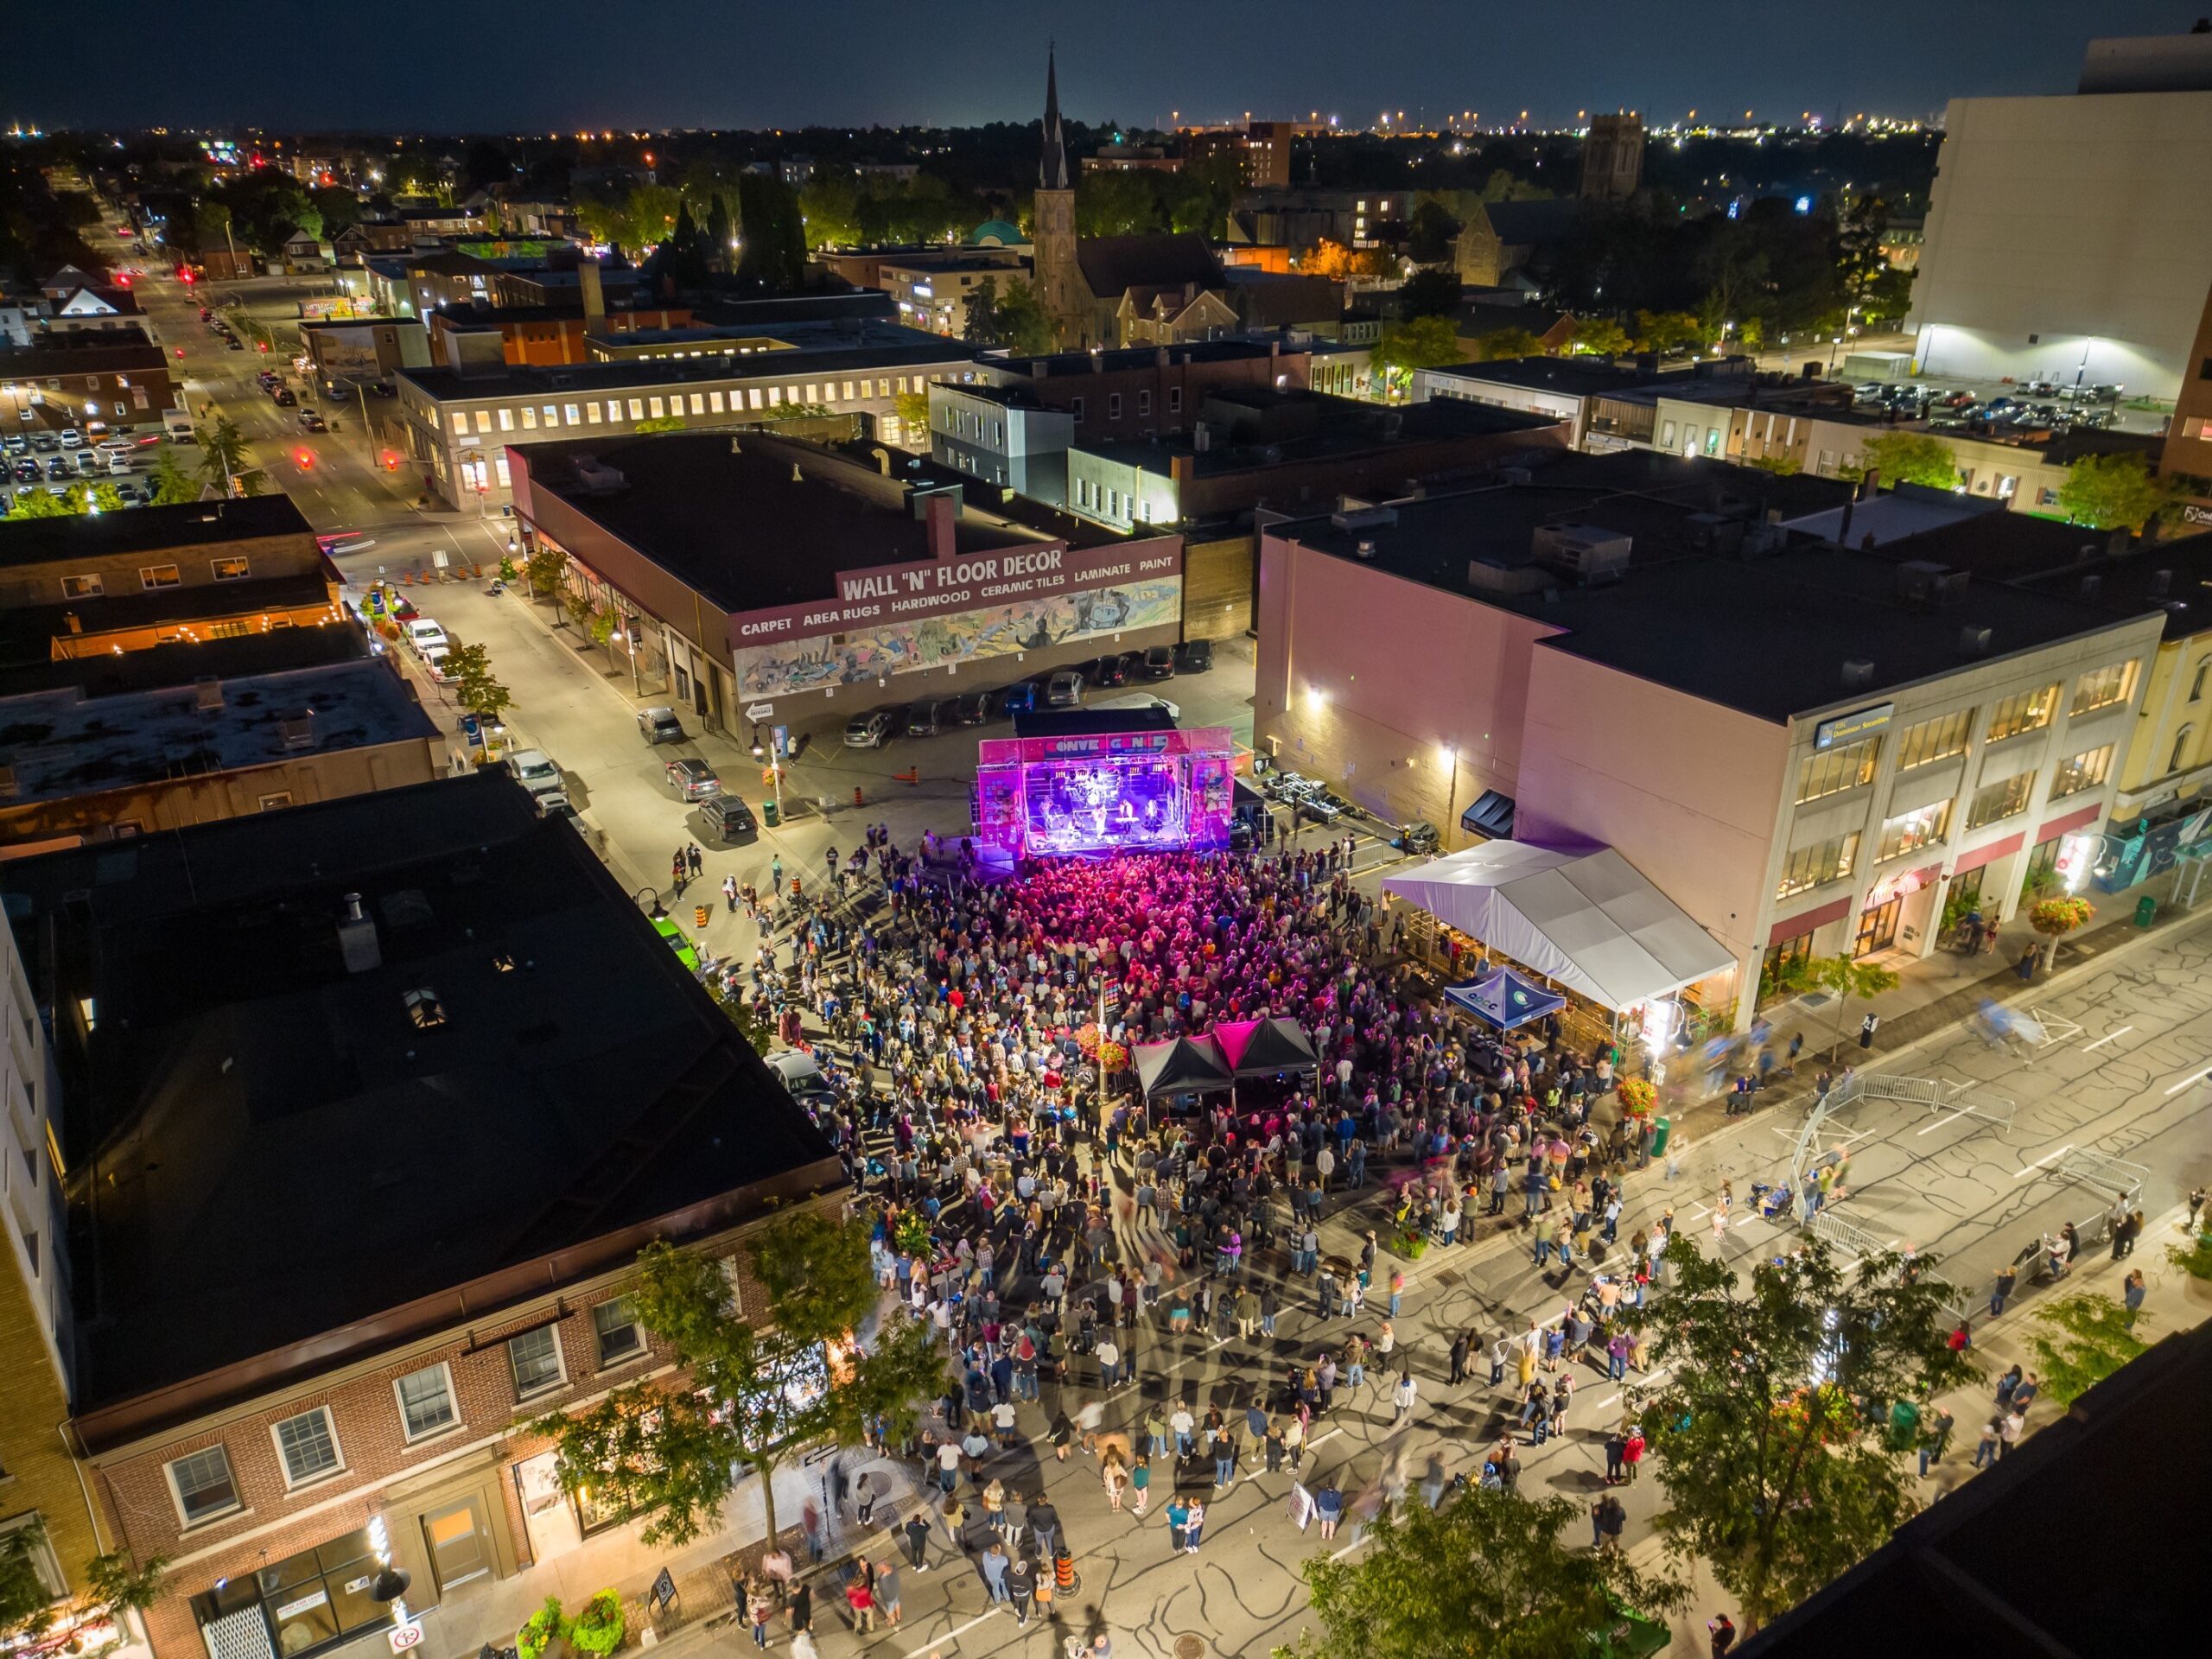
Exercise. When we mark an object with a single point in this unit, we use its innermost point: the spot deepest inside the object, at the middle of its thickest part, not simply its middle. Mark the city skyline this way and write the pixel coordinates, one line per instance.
(1201, 68)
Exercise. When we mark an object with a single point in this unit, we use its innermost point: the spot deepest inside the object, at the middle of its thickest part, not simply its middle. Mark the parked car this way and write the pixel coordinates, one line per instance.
(1063, 689)
(1418, 836)
(283, 398)
(969, 709)
(868, 731)
(89, 464)
(1106, 671)
(535, 770)
(553, 804)
(131, 495)
(426, 637)
(722, 820)
(1194, 656)
(692, 779)
(922, 718)
(45, 443)
(70, 437)
(119, 466)
(1020, 698)
(58, 466)
(1158, 664)
(659, 726)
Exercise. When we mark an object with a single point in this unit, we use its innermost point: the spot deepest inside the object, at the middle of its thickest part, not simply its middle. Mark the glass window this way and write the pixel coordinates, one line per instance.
(307, 1445)
(657, 409)
(235, 569)
(2179, 758)
(151, 576)
(2084, 771)
(1667, 434)
(620, 1337)
(426, 1401)
(2196, 685)
(2103, 687)
(1833, 771)
(714, 403)
(637, 407)
(82, 587)
(461, 422)
(1174, 400)
(1076, 403)
(591, 414)
(814, 392)
(1826, 861)
(1113, 405)
(322, 1594)
(1994, 801)
(1934, 739)
(536, 1357)
(2024, 711)
(1144, 403)
(204, 1487)
(529, 418)
(1911, 831)
(506, 420)
(849, 392)
(552, 415)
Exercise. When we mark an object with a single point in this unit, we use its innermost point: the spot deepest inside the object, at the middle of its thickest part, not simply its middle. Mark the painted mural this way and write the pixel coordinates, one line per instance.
(899, 647)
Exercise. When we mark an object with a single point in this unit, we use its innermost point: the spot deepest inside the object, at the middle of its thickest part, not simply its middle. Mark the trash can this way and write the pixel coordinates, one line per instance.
(769, 815)
(2146, 908)
(1660, 1129)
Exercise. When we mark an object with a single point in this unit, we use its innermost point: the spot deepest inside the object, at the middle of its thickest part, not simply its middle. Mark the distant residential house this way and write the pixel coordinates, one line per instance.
(303, 252)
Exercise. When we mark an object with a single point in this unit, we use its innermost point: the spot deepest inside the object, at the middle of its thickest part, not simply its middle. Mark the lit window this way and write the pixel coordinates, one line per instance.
(568, 415)
(2104, 688)
(2084, 771)
(2024, 711)
(204, 1486)
(82, 587)
(1934, 739)
(659, 410)
(529, 418)
(1810, 867)
(507, 420)
(1911, 831)
(154, 577)
(307, 1445)
(535, 1356)
(1993, 802)
(1833, 771)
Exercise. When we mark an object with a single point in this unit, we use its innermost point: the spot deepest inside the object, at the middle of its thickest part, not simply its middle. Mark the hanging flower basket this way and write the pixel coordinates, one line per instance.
(2054, 917)
(1638, 1097)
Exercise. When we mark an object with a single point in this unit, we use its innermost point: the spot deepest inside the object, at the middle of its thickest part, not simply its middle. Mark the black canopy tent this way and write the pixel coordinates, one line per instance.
(1180, 1066)
(1276, 1046)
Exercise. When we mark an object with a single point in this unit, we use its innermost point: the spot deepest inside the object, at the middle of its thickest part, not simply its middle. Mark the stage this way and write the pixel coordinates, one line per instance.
(1160, 790)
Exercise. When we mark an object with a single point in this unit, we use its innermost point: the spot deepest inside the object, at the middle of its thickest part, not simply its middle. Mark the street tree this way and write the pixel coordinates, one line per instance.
(2109, 492)
(544, 570)
(1423, 343)
(172, 485)
(222, 453)
(43, 503)
(469, 668)
(1600, 337)
(1844, 977)
(1666, 331)
(756, 1384)
(1768, 1433)
(913, 412)
(1335, 260)
(26, 1606)
(654, 423)
(1508, 345)
(1486, 1575)
(2080, 1340)
(1906, 458)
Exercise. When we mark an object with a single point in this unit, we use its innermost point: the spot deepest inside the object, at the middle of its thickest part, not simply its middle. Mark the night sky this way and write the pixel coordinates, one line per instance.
(499, 65)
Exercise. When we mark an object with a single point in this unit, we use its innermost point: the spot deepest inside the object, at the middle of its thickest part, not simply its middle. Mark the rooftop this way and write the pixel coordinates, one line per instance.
(28, 632)
(75, 740)
(1345, 429)
(1765, 632)
(757, 521)
(1127, 358)
(509, 380)
(149, 530)
(242, 1086)
(103, 673)
(80, 351)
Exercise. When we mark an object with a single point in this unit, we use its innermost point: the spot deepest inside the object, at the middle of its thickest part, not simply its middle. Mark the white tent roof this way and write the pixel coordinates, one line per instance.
(1588, 919)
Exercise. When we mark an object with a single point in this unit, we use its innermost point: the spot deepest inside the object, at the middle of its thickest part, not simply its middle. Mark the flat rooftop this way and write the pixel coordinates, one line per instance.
(1355, 430)
(509, 380)
(814, 334)
(149, 530)
(760, 522)
(73, 741)
(242, 1089)
(1766, 634)
(1576, 376)
(1125, 358)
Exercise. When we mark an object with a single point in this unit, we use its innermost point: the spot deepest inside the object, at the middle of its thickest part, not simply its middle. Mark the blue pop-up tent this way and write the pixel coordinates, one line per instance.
(1504, 999)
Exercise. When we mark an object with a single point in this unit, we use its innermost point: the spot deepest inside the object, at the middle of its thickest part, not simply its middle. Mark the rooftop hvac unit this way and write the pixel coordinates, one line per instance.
(1351, 514)
(1584, 552)
(1924, 583)
(595, 477)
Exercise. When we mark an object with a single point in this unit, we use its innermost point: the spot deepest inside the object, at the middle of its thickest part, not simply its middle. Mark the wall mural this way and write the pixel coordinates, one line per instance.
(899, 647)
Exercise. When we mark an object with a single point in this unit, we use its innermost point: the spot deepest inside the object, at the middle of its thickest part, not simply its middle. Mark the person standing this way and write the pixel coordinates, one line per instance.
(994, 1565)
(887, 1590)
(1021, 1588)
(1934, 1439)
(729, 893)
(2133, 1295)
(2002, 1291)
(1723, 1631)
(1141, 1484)
(1458, 1361)
(1178, 1522)
(1406, 1391)
(1044, 1523)
(1632, 1454)
(916, 1534)
(1195, 1525)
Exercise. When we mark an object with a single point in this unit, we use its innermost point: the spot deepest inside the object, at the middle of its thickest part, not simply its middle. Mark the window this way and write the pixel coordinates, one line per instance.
(529, 418)
(1826, 861)
(271, 802)
(1711, 439)
(552, 415)
(620, 1337)
(658, 410)
(1994, 801)
(203, 1485)
(2179, 758)
(2085, 771)
(715, 402)
(1174, 400)
(536, 1357)
(1113, 405)
(1833, 770)
(2103, 687)
(637, 409)
(235, 569)
(506, 420)
(698, 402)
(814, 393)
(2196, 685)
(1911, 831)
(2024, 711)
(1076, 403)
(307, 1445)
(1144, 403)
(81, 588)
(154, 577)
(1934, 739)
(460, 423)
(426, 1401)
(1667, 434)
(38, 1553)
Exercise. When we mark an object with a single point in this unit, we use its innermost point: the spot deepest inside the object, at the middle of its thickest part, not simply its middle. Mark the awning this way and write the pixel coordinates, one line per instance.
(1180, 1066)
(1504, 999)
(1262, 1048)
(1589, 920)
(1491, 815)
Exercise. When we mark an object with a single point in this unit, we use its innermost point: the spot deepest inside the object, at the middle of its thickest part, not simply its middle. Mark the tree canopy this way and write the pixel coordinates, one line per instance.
(1906, 458)
(1432, 293)
(1767, 1430)
(1421, 343)
(2109, 492)
(1014, 318)
(1485, 1575)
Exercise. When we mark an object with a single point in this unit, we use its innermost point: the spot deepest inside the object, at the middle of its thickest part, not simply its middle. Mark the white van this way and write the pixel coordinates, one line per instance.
(427, 638)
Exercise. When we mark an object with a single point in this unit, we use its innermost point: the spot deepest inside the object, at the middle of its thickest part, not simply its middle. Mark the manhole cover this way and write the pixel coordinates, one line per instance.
(1190, 1647)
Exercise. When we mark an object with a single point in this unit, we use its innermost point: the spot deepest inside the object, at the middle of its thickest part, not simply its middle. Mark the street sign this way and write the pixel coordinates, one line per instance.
(404, 1637)
(663, 1590)
(783, 739)
(760, 711)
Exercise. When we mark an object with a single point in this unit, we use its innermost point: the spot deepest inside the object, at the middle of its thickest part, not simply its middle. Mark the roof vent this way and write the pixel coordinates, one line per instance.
(1925, 584)
(2162, 583)
(207, 693)
(425, 1008)
(1366, 546)
(357, 937)
(1857, 674)
(1585, 552)
(1974, 639)
(298, 729)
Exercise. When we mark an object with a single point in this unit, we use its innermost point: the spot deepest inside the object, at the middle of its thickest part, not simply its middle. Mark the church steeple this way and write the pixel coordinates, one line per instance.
(1053, 166)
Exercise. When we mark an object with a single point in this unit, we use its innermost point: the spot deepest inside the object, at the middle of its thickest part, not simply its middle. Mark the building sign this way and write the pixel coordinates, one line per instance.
(1849, 728)
(2193, 514)
(937, 613)
(307, 1603)
(404, 1637)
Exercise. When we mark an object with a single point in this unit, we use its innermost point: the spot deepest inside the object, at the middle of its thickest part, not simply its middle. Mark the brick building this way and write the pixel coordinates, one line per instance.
(116, 376)
(331, 1027)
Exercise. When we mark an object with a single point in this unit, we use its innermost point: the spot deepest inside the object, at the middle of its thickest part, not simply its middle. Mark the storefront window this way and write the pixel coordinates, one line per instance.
(311, 1600)
(1911, 831)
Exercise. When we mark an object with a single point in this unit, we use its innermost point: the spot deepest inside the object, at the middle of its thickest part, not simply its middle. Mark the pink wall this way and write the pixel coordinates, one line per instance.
(1406, 669)
(1688, 791)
